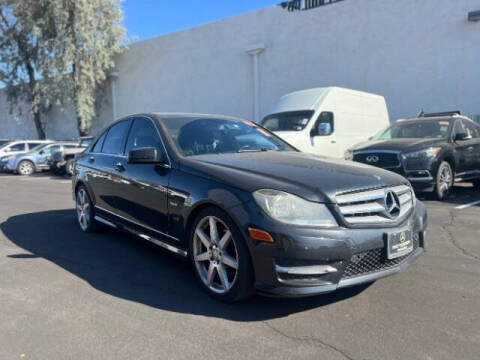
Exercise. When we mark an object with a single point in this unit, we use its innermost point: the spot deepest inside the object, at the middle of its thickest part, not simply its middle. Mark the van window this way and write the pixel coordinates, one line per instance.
(324, 125)
(287, 121)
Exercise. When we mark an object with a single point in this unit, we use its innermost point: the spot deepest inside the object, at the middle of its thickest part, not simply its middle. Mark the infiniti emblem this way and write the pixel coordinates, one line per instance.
(392, 204)
(372, 158)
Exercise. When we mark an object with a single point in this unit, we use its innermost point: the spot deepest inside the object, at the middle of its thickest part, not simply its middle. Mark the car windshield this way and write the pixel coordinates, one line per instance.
(194, 136)
(288, 121)
(422, 129)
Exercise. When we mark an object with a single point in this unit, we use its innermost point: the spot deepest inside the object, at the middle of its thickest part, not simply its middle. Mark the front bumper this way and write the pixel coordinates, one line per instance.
(305, 262)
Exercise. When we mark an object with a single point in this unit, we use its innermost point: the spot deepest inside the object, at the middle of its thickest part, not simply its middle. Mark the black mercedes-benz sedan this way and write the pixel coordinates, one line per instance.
(432, 152)
(251, 212)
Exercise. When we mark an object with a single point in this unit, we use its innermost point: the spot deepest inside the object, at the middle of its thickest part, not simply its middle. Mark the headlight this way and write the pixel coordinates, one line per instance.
(426, 154)
(291, 209)
(349, 154)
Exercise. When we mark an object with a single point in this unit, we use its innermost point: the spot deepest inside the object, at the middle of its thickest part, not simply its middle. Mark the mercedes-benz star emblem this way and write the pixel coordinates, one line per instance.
(372, 158)
(392, 204)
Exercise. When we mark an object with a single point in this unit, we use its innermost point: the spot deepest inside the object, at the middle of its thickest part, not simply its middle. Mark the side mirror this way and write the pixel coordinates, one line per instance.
(324, 129)
(146, 155)
(462, 137)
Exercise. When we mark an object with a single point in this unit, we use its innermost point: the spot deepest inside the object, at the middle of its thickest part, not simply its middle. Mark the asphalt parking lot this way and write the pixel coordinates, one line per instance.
(67, 295)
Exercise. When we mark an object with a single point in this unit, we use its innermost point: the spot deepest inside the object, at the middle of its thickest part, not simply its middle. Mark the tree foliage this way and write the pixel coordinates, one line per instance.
(58, 51)
(27, 33)
(90, 34)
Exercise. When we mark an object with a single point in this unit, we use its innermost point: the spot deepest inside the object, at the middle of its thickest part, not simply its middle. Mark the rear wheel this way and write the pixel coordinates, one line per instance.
(69, 167)
(85, 211)
(220, 257)
(444, 181)
(25, 168)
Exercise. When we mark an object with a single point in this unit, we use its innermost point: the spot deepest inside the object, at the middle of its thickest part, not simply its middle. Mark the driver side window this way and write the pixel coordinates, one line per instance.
(143, 134)
(324, 126)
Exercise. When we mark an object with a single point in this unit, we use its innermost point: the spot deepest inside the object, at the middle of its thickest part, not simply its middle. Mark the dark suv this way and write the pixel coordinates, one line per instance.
(432, 152)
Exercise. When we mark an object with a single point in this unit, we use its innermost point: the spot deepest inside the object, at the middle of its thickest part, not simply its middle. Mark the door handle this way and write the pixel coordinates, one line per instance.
(91, 159)
(119, 167)
(333, 142)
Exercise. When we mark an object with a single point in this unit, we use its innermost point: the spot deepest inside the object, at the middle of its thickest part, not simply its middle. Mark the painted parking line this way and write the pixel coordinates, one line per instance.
(465, 206)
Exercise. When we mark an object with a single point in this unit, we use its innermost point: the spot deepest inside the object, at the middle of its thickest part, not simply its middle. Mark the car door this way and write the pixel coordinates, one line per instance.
(473, 130)
(142, 193)
(464, 151)
(106, 162)
(323, 136)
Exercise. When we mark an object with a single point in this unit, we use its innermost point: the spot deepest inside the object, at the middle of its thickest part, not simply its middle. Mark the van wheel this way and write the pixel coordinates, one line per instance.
(26, 168)
(444, 181)
(220, 256)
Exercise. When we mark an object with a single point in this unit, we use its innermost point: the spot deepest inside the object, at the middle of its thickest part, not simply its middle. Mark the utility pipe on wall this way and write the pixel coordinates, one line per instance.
(113, 78)
(254, 51)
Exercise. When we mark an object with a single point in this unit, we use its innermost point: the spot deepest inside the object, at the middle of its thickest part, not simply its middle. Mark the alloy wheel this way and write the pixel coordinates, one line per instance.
(215, 254)
(445, 180)
(25, 168)
(83, 209)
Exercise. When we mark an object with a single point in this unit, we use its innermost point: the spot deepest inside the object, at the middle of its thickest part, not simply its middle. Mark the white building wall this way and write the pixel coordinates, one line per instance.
(417, 53)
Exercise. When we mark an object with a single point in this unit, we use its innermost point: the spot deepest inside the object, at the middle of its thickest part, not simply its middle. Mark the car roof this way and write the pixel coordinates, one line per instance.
(435, 118)
(192, 115)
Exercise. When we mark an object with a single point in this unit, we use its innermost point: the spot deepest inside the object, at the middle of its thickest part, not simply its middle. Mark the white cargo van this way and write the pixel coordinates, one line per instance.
(327, 121)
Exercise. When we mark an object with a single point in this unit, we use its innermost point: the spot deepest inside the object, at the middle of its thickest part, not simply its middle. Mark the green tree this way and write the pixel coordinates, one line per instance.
(90, 34)
(27, 31)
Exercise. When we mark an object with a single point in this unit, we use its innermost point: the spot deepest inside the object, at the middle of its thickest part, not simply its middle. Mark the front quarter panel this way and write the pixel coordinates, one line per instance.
(189, 193)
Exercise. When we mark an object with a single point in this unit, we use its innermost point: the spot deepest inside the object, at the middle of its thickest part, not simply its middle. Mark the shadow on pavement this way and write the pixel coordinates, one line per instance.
(125, 267)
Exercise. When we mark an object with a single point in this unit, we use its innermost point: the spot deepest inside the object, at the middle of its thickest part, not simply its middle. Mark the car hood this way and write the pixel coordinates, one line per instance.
(402, 145)
(309, 176)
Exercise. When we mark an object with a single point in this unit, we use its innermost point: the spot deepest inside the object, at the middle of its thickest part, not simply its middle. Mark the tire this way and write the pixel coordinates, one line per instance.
(69, 167)
(223, 266)
(84, 210)
(25, 168)
(444, 181)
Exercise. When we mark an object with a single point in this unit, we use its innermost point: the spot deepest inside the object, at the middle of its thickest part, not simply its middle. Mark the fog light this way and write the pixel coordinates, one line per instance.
(260, 235)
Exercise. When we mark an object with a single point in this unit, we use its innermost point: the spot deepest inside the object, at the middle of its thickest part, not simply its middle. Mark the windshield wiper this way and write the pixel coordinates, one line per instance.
(254, 150)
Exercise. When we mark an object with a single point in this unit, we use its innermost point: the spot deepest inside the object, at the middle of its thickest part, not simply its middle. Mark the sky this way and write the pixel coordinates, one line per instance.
(148, 18)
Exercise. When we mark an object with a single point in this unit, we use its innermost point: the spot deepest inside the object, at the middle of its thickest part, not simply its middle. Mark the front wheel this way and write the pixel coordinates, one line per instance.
(444, 181)
(26, 168)
(220, 257)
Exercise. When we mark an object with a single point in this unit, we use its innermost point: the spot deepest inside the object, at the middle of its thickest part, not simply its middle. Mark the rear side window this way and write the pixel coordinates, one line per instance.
(115, 137)
(18, 147)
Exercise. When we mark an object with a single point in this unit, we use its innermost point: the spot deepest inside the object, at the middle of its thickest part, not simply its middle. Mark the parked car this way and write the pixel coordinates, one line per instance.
(35, 160)
(61, 161)
(251, 212)
(12, 148)
(433, 152)
(327, 121)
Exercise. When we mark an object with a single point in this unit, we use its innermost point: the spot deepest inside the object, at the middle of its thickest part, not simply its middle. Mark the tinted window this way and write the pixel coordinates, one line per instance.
(98, 145)
(421, 129)
(194, 136)
(18, 147)
(143, 134)
(472, 129)
(114, 141)
(287, 121)
(33, 144)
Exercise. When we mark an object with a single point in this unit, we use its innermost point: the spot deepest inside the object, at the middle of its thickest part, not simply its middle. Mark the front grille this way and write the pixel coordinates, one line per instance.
(369, 207)
(379, 159)
(374, 260)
